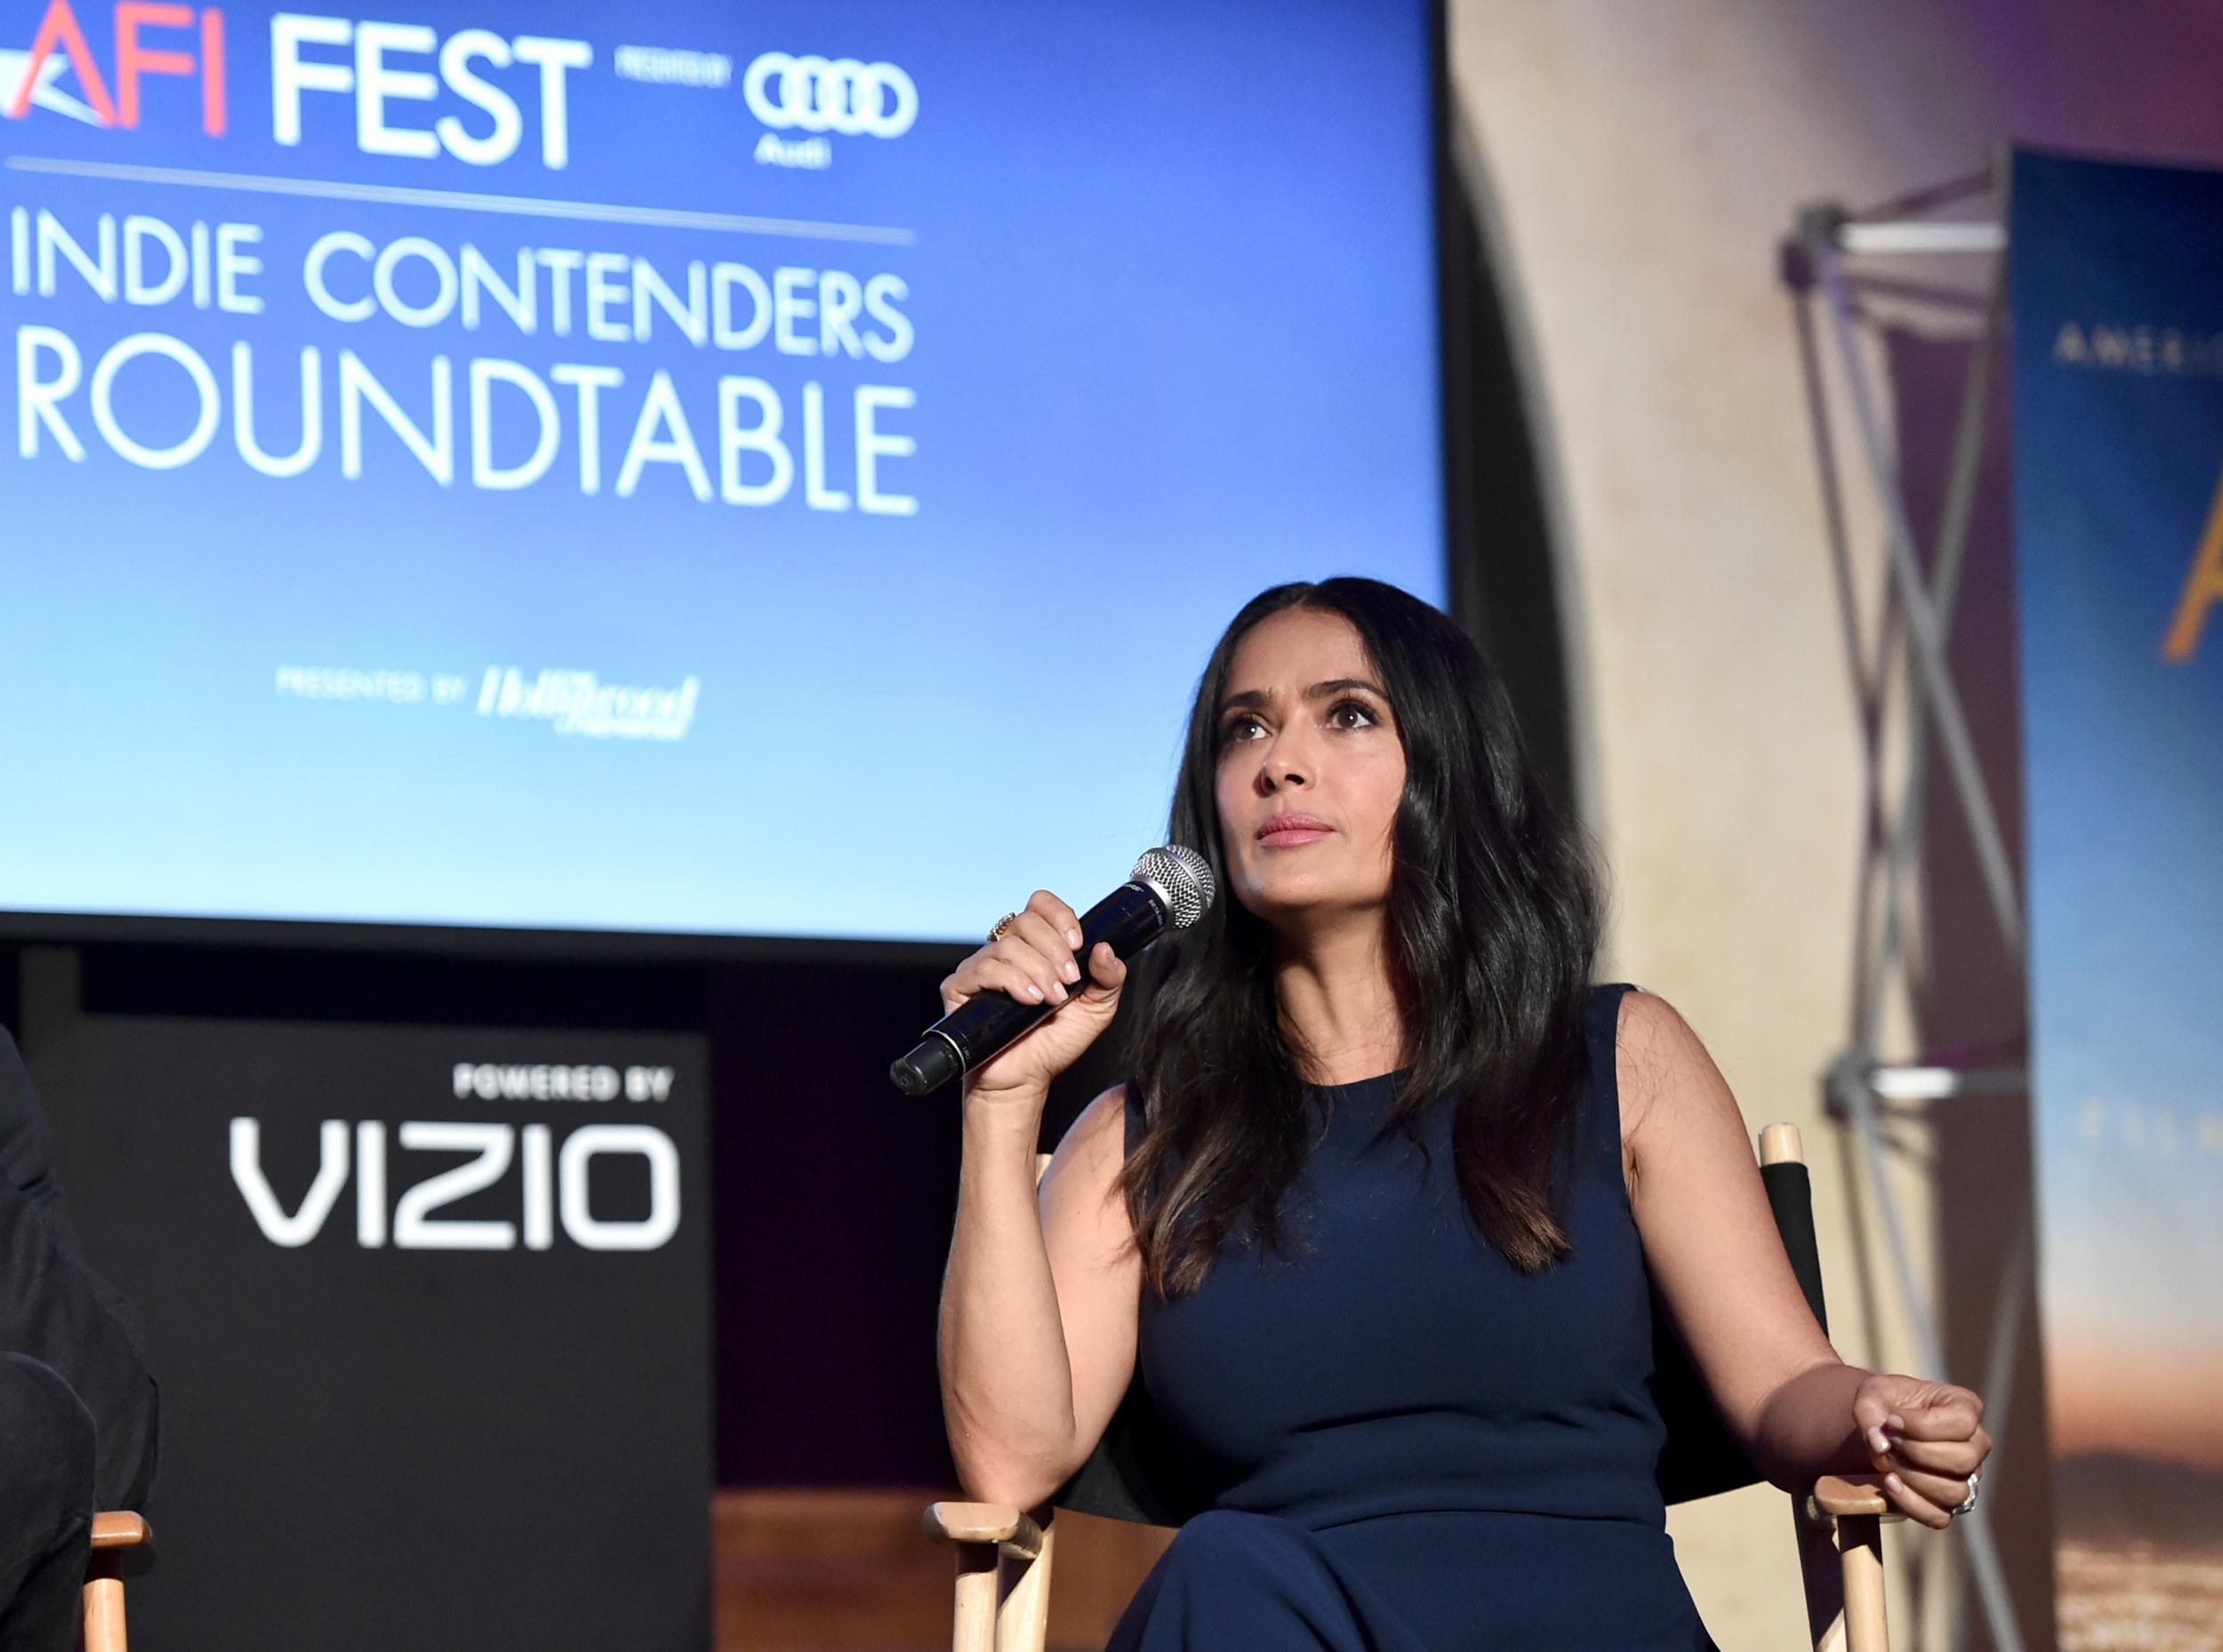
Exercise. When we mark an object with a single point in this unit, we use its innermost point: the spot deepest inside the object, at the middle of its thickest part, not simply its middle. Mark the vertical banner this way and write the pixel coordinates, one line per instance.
(2118, 323)
(428, 1311)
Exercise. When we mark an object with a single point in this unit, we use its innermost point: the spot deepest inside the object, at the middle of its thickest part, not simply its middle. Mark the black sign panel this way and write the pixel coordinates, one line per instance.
(430, 1311)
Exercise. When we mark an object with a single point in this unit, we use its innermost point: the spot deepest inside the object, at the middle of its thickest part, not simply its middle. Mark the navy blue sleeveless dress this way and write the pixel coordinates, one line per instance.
(1410, 1447)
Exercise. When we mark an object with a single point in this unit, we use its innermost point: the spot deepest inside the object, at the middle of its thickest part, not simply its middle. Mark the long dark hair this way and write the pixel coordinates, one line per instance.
(1493, 923)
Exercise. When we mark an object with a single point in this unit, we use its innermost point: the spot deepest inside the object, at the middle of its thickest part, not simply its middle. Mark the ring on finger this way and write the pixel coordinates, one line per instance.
(1967, 1503)
(1002, 925)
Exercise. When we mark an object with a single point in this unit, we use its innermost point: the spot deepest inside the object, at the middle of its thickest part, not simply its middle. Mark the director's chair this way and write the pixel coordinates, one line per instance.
(1004, 1553)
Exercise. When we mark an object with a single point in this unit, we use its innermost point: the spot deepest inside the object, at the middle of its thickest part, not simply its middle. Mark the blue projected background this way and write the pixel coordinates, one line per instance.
(517, 466)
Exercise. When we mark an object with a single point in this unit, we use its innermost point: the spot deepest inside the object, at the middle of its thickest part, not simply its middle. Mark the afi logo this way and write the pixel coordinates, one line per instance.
(28, 77)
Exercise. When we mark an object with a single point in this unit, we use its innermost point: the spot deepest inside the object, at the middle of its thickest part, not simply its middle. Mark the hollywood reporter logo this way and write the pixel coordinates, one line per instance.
(839, 95)
(553, 1189)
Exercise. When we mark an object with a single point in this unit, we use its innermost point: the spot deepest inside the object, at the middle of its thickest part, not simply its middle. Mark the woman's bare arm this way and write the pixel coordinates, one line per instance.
(1040, 1300)
(1712, 1246)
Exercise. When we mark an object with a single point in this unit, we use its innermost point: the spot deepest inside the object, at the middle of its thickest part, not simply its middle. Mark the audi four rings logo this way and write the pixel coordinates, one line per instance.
(831, 94)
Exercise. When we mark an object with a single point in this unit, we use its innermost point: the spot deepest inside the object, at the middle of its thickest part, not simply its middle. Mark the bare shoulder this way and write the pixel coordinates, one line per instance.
(1663, 1069)
(1102, 1125)
(1085, 1220)
(1095, 1146)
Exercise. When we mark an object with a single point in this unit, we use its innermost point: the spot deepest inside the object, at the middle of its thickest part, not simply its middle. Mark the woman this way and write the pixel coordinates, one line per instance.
(1380, 1211)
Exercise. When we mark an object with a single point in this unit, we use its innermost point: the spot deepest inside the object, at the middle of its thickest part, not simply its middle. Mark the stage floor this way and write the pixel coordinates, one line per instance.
(851, 1571)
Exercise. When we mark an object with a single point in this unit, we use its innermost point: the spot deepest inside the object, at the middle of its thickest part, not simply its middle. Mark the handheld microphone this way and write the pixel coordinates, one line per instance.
(1170, 887)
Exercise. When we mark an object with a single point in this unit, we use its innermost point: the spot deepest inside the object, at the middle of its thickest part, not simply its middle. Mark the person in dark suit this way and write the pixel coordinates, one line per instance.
(77, 1405)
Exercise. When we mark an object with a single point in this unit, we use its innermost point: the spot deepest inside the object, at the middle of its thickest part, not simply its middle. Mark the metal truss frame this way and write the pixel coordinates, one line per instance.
(1838, 264)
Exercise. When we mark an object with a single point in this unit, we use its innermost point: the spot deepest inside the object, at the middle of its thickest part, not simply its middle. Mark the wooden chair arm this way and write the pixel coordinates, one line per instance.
(1006, 1524)
(1840, 1497)
(122, 1542)
(1846, 1513)
(121, 1529)
(1003, 1574)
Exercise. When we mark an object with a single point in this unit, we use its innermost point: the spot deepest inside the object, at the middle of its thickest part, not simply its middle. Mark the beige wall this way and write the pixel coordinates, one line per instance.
(1641, 160)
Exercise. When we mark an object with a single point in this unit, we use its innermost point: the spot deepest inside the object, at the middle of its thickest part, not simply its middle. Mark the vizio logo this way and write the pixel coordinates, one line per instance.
(831, 94)
(555, 1186)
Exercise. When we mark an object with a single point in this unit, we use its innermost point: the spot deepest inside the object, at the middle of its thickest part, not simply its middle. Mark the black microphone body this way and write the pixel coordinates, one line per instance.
(1130, 917)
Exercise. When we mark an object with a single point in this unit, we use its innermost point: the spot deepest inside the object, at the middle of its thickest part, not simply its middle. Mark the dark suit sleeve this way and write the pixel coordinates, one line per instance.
(56, 1309)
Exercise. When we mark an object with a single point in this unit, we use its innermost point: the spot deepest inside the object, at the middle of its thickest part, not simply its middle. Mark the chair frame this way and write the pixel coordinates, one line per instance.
(1004, 1554)
(118, 1537)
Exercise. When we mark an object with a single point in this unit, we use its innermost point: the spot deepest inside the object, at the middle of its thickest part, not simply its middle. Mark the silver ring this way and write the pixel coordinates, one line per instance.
(1968, 1502)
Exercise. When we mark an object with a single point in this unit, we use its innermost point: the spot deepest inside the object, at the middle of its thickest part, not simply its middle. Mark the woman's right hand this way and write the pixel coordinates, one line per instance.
(1035, 962)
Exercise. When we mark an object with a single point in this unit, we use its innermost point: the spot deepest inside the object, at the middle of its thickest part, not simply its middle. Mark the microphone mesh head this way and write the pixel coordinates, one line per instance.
(1182, 878)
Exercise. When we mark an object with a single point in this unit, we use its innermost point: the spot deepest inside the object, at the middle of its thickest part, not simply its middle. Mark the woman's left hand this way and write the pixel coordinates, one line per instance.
(1925, 1438)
